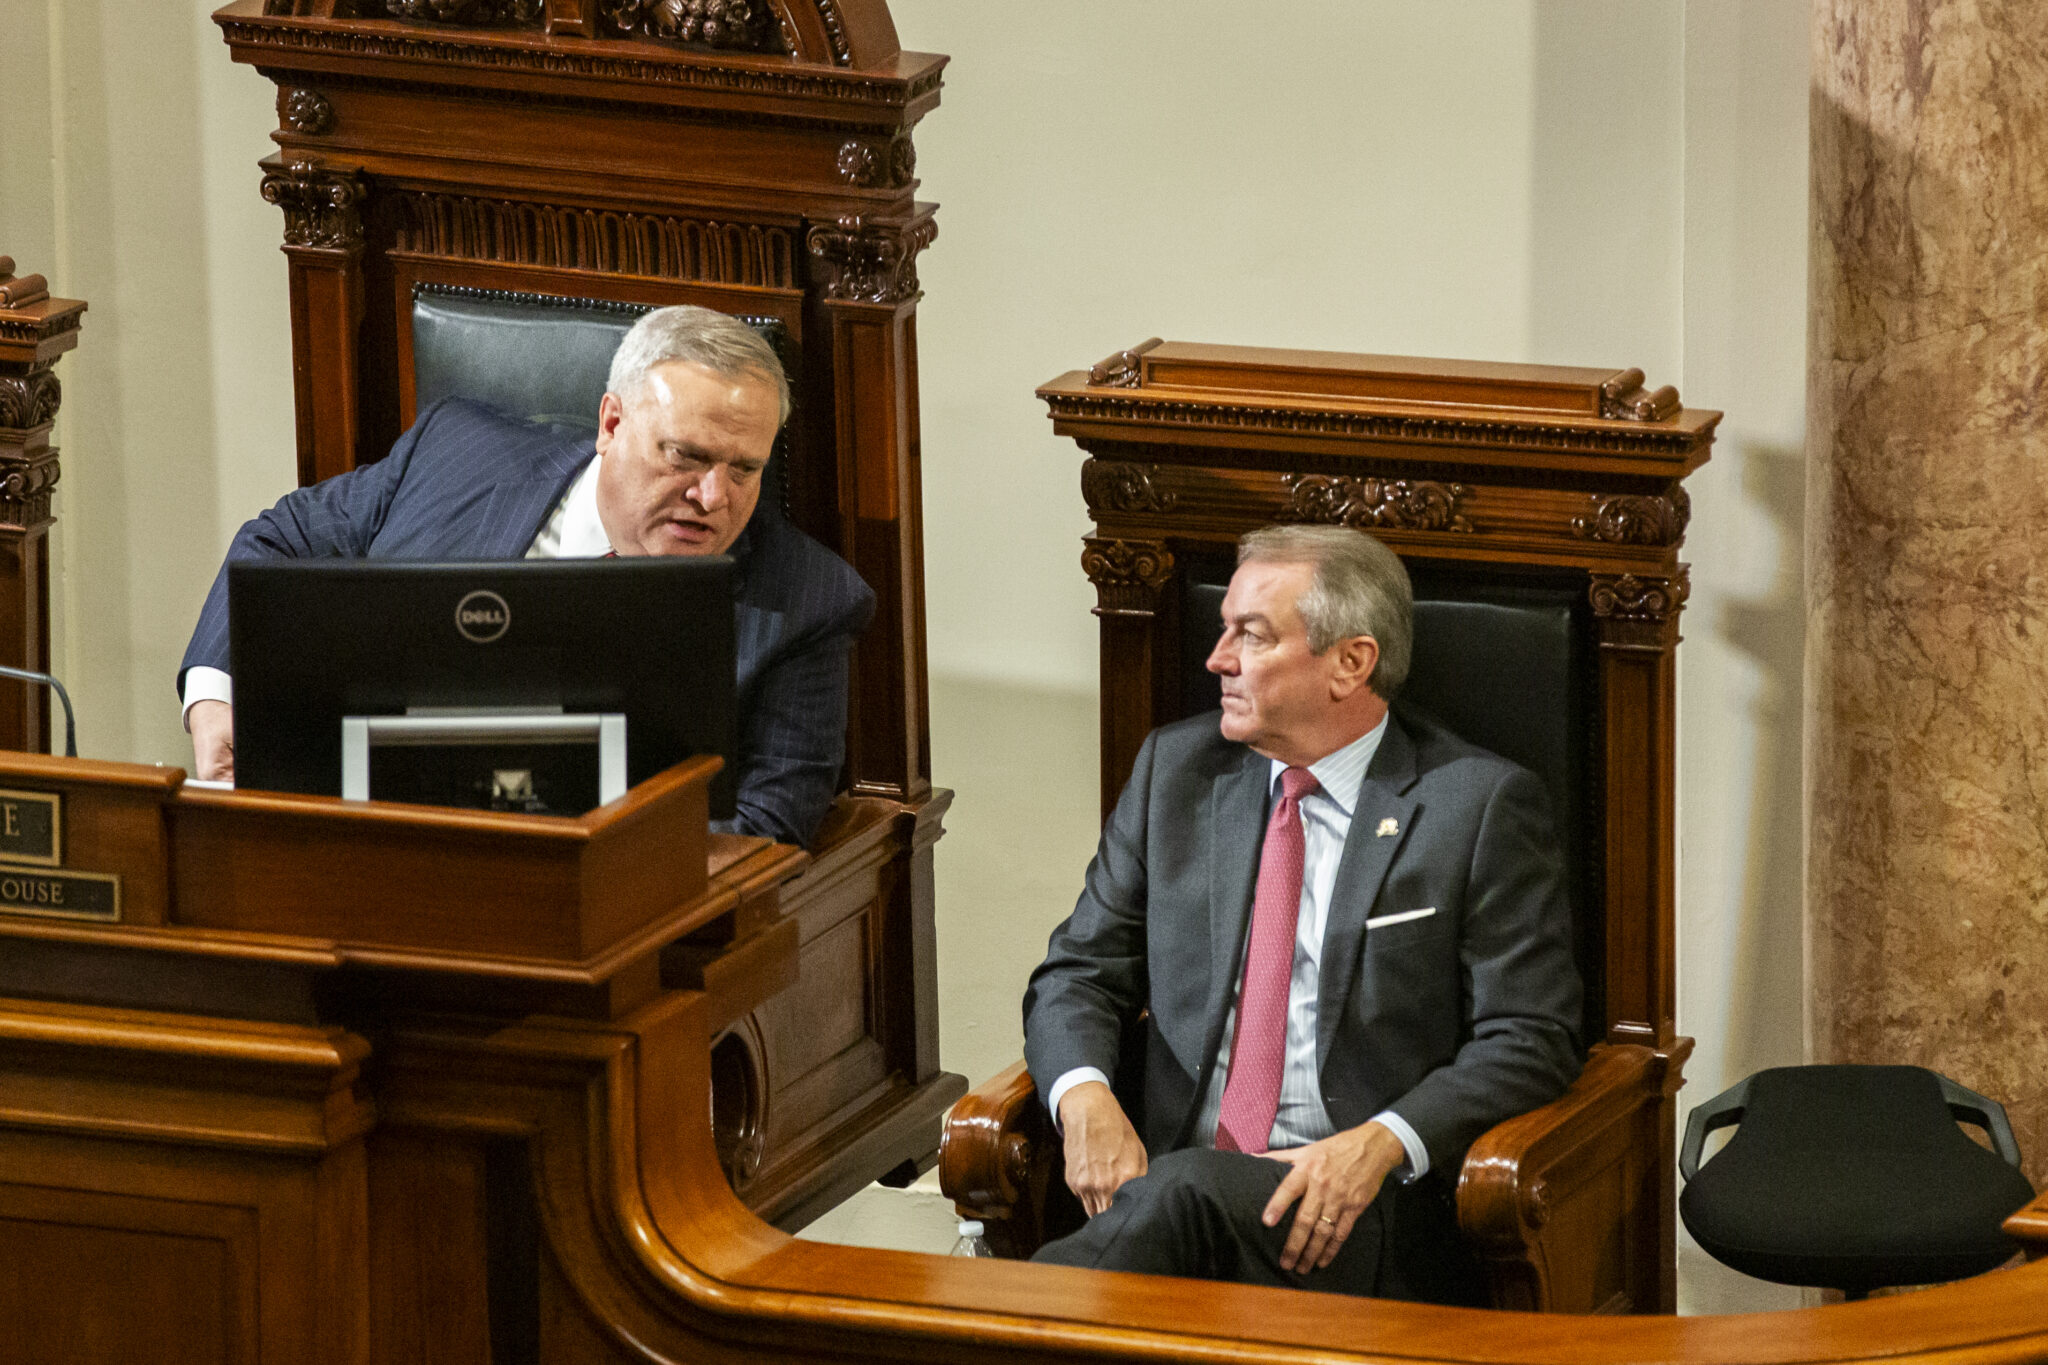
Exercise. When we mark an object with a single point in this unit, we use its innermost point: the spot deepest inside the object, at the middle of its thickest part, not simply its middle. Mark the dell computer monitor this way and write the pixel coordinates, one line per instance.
(313, 642)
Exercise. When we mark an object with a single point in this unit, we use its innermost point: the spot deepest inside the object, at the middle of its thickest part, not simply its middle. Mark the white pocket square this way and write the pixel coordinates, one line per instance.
(1383, 921)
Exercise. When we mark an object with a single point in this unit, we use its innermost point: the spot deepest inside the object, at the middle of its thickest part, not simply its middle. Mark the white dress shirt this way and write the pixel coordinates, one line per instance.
(572, 531)
(1301, 1119)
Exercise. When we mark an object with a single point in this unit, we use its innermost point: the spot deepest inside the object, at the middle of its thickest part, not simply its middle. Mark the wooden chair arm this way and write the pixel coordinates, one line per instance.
(2029, 1227)
(1546, 1198)
(984, 1148)
(1001, 1161)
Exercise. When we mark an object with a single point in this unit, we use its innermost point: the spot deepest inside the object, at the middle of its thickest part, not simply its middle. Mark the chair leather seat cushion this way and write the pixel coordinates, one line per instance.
(1852, 1177)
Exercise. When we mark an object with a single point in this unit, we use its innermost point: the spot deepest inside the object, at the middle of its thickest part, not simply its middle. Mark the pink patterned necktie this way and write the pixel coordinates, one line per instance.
(1258, 1054)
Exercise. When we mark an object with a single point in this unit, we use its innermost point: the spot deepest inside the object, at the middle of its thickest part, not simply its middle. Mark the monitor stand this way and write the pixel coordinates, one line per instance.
(539, 762)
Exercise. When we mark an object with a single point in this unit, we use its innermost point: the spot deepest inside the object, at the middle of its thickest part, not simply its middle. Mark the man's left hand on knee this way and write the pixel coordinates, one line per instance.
(1334, 1180)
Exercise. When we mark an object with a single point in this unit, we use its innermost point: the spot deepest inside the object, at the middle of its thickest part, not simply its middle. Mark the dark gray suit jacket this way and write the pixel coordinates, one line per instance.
(1455, 1021)
(466, 483)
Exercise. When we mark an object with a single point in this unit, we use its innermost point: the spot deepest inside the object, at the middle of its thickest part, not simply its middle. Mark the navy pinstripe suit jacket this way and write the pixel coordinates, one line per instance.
(466, 483)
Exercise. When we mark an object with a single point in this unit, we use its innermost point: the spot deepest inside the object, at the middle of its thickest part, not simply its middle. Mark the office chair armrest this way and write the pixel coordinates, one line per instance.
(1970, 1107)
(1718, 1112)
(997, 1154)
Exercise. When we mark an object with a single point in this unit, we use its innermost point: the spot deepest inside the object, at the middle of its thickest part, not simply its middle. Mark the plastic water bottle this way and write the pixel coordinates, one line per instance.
(972, 1242)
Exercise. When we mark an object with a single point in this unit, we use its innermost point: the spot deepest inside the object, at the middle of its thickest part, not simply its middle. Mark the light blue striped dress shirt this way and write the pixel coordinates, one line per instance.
(1326, 823)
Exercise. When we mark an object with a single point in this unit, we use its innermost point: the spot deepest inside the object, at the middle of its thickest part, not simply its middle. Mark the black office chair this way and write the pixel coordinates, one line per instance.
(1852, 1178)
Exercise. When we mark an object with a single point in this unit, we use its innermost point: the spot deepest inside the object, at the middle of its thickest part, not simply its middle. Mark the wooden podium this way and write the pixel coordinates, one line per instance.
(199, 990)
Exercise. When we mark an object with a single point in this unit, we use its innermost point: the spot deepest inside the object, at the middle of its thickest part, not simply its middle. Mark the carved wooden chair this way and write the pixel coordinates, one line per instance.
(1539, 511)
(450, 173)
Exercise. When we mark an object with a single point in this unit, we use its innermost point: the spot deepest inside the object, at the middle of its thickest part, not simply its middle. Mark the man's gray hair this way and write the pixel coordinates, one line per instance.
(1360, 587)
(721, 343)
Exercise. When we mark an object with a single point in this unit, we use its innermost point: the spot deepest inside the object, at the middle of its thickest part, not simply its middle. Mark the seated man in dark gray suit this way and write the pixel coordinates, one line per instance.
(695, 399)
(1350, 931)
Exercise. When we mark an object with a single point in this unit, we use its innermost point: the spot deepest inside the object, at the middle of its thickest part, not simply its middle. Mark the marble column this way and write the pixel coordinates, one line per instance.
(1927, 528)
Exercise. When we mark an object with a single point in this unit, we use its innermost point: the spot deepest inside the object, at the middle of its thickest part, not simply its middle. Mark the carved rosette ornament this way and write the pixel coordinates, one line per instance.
(1112, 487)
(1631, 519)
(322, 207)
(1127, 574)
(1376, 504)
(307, 112)
(1639, 611)
(874, 165)
(861, 260)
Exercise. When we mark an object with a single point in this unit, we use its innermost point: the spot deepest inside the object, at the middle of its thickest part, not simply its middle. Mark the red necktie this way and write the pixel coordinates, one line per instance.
(1258, 1054)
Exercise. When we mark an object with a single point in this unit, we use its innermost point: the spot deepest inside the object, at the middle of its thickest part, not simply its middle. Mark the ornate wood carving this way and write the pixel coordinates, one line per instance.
(1623, 398)
(730, 25)
(35, 330)
(29, 399)
(864, 260)
(1459, 432)
(562, 237)
(525, 13)
(1127, 574)
(1111, 486)
(871, 165)
(831, 71)
(1392, 504)
(1633, 519)
(308, 112)
(322, 206)
(26, 482)
(1125, 369)
(1639, 611)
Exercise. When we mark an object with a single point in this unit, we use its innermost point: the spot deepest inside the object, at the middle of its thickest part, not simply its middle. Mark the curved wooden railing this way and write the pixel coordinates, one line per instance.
(650, 1258)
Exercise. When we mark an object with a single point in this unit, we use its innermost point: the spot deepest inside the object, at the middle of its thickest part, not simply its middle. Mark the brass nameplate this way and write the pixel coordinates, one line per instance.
(32, 827)
(61, 895)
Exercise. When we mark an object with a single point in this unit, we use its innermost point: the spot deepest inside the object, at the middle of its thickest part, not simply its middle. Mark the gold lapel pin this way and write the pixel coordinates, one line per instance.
(1388, 828)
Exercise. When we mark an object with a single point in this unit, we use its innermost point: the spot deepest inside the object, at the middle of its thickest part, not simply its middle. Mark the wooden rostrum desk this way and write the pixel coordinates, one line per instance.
(351, 1083)
(205, 998)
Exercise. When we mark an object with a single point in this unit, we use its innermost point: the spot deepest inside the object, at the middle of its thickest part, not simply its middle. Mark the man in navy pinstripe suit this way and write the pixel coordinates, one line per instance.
(692, 408)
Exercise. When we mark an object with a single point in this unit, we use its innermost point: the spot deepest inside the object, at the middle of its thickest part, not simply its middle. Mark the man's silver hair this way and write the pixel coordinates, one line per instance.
(1360, 587)
(718, 341)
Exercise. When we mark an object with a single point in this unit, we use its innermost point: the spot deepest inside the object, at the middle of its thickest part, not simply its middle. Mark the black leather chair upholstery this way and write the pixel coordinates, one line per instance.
(1852, 1178)
(543, 357)
(1508, 668)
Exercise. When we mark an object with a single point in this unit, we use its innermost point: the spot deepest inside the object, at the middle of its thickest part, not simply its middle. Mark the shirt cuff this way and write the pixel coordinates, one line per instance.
(1067, 1082)
(206, 684)
(1411, 1141)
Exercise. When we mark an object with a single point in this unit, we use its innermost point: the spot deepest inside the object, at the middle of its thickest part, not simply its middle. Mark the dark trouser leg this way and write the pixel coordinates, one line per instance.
(1196, 1213)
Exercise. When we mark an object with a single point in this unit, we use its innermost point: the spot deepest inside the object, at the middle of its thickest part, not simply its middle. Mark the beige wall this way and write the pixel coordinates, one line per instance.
(1545, 180)
(131, 144)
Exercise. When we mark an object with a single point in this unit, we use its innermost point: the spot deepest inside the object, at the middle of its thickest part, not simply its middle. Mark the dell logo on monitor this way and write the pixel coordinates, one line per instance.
(482, 616)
